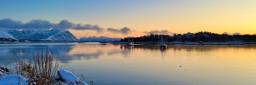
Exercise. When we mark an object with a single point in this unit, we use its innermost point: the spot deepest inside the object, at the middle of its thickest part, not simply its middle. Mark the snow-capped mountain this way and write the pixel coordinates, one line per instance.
(32, 34)
(4, 36)
(62, 36)
(42, 35)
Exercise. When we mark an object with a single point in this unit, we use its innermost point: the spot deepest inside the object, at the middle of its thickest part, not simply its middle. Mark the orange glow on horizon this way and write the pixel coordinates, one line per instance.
(80, 34)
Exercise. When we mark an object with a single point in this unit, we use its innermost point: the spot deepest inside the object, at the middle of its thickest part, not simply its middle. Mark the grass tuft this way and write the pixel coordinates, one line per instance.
(42, 70)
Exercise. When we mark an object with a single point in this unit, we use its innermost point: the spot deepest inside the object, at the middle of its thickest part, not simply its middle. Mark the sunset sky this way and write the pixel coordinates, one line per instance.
(178, 16)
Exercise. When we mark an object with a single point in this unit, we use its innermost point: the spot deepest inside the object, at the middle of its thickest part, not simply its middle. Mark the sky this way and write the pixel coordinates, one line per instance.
(139, 16)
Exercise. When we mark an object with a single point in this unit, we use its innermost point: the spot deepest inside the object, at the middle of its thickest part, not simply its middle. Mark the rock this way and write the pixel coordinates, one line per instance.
(69, 78)
(3, 70)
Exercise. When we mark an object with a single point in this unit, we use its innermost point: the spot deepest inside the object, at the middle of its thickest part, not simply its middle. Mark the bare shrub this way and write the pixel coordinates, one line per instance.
(42, 70)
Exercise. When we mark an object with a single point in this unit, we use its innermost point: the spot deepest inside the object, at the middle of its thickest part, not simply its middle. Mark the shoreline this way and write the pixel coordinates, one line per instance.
(135, 43)
(189, 43)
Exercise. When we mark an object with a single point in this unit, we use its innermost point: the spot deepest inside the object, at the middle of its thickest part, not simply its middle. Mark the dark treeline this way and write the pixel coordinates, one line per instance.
(193, 37)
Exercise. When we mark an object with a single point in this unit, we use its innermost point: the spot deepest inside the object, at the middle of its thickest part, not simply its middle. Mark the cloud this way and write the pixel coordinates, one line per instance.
(12, 24)
(9, 24)
(64, 24)
(88, 27)
(38, 24)
(159, 32)
(124, 30)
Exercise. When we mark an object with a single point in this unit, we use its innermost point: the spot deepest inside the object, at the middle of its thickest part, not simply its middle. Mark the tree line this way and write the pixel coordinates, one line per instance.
(193, 37)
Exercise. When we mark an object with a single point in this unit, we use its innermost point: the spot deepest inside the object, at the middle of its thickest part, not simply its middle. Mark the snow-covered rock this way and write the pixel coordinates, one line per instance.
(13, 79)
(69, 78)
(3, 70)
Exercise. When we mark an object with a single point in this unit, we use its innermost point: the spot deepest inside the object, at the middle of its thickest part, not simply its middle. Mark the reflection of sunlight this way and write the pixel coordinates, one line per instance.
(81, 49)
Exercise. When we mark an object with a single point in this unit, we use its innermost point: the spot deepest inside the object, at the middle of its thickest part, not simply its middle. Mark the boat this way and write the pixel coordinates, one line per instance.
(131, 44)
(162, 44)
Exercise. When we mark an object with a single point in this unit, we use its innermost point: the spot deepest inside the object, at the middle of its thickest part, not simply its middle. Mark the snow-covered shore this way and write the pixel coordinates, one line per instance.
(65, 77)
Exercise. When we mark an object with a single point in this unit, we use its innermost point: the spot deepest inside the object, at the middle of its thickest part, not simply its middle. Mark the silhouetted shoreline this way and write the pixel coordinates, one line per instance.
(199, 38)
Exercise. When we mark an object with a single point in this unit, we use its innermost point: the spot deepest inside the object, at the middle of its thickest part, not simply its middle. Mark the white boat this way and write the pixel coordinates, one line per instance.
(131, 44)
(162, 44)
(69, 78)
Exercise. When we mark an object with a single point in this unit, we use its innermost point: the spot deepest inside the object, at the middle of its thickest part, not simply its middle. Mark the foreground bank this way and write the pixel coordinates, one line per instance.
(41, 70)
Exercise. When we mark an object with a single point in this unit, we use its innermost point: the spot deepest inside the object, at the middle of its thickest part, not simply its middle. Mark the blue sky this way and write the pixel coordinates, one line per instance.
(141, 15)
(80, 10)
(68, 9)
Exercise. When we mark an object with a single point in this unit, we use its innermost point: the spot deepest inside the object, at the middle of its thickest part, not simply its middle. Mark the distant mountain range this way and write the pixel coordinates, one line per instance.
(37, 35)
(50, 35)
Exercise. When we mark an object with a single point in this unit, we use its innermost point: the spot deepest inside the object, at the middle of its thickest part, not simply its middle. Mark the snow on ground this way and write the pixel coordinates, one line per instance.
(13, 79)
(69, 78)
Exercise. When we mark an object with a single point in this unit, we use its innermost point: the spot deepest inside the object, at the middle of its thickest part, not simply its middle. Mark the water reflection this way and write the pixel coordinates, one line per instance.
(190, 47)
(148, 65)
(62, 52)
(68, 52)
(13, 53)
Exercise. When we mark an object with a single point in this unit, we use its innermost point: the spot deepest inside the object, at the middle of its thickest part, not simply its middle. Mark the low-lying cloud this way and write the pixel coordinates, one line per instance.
(159, 32)
(124, 30)
(88, 27)
(9, 24)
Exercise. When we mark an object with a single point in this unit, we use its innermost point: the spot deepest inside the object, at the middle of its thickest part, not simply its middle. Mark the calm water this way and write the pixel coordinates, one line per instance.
(177, 65)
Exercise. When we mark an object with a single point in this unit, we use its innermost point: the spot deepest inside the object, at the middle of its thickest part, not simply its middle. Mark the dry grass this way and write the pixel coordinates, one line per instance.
(41, 70)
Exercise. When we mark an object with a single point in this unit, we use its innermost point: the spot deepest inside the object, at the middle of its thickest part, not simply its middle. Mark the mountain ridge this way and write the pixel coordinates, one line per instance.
(50, 35)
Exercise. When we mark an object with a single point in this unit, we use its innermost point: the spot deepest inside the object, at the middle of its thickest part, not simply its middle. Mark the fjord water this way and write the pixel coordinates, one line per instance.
(119, 65)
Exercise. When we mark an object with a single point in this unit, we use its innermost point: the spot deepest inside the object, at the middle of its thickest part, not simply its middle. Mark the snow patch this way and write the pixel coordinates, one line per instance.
(13, 79)
(69, 78)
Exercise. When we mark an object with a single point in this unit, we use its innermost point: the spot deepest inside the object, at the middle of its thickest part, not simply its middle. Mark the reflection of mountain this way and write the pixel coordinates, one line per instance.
(93, 51)
(63, 52)
(88, 56)
(13, 53)
(68, 52)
